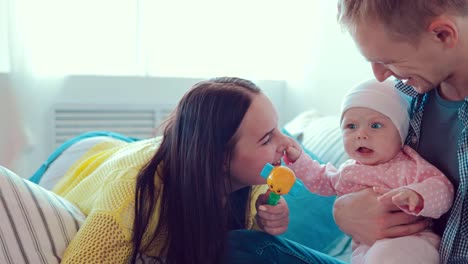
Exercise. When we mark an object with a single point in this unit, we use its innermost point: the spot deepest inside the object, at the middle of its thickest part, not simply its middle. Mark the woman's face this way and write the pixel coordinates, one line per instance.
(259, 142)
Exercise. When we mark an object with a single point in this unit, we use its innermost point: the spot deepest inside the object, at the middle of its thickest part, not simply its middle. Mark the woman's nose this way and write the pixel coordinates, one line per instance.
(283, 143)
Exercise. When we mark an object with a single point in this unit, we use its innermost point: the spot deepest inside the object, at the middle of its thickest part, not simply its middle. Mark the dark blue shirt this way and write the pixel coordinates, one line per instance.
(454, 243)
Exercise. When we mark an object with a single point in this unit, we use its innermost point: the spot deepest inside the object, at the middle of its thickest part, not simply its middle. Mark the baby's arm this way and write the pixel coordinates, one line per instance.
(317, 178)
(433, 187)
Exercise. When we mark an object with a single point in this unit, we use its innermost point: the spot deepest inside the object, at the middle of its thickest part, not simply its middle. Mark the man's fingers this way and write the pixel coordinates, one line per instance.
(386, 201)
(381, 190)
(406, 230)
(401, 218)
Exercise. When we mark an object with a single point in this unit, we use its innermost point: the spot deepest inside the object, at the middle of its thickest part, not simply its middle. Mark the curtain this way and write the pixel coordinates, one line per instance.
(259, 39)
(12, 137)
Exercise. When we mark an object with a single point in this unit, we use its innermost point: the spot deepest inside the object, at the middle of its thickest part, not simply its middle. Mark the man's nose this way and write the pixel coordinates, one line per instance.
(381, 72)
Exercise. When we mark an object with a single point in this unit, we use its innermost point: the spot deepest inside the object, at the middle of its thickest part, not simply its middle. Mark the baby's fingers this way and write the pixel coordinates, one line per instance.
(292, 154)
(401, 199)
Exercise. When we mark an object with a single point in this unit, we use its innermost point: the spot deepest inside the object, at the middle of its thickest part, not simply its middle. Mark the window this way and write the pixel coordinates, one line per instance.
(256, 39)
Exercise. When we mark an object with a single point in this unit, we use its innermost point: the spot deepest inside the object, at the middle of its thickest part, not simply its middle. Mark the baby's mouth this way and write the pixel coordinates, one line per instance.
(364, 150)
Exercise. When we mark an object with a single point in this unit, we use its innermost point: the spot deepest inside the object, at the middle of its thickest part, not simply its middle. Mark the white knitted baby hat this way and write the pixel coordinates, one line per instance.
(382, 97)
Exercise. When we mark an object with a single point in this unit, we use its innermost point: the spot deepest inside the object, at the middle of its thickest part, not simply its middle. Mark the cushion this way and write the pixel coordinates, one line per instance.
(311, 218)
(36, 224)
(299, 139)
(301, 121)
(37, 176)
(322, 137)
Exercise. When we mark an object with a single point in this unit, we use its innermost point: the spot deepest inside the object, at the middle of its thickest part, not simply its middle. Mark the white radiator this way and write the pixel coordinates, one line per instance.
(140, 121)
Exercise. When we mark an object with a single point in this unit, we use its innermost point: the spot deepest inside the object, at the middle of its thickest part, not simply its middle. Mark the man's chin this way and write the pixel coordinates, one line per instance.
(419, 90)
(422, 89)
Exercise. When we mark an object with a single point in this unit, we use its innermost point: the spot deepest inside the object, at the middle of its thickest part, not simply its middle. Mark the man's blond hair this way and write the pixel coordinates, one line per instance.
(406, 18)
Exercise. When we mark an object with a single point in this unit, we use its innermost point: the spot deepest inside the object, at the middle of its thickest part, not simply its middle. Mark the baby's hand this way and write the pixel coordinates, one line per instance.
(403, 198)
(293, 151)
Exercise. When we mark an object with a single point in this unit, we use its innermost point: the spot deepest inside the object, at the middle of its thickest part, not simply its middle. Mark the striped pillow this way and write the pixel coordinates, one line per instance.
(36, 224)
(322, 136)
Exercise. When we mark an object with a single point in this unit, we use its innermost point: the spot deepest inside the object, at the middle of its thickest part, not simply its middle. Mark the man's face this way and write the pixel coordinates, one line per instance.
(423, 64)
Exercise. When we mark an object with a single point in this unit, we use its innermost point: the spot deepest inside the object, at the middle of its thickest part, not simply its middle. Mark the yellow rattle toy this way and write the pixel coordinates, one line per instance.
(280, 180)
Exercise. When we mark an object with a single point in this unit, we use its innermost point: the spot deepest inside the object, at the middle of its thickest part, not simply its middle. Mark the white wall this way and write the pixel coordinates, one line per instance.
(36, 107)
(322, 65)
(331, 65)
(3, 37)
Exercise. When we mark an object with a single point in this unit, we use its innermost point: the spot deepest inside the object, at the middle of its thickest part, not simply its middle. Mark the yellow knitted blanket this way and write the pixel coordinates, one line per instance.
(102, 185)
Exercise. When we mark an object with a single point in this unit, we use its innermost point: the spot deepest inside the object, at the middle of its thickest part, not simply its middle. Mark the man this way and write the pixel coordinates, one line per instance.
(424, 44)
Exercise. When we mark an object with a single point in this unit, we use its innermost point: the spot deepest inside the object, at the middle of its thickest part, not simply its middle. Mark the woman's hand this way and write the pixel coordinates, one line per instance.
(366, 219)
(273, 219)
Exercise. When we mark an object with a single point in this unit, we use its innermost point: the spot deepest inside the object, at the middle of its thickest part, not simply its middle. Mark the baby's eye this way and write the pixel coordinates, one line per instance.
(376, 125)
(351, 126)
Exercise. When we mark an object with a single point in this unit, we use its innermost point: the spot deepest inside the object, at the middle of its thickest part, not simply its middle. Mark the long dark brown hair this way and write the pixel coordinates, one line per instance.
(197, 206)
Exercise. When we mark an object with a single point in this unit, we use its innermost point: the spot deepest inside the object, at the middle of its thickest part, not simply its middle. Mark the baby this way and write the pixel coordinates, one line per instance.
(374, 123)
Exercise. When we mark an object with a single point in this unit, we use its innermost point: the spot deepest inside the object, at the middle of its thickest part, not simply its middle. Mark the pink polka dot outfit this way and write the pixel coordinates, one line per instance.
(407, 169)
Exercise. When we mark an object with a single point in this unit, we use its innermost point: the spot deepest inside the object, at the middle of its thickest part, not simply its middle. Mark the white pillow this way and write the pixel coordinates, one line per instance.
(298, 124)
(36, 225)
(322, 136)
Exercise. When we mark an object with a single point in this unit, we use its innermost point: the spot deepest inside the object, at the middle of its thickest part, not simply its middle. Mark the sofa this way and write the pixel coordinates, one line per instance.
(311, 220)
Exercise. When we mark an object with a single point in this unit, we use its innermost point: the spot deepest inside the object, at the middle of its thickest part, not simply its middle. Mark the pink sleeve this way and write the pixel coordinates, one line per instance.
(433, 186)
(317, 178)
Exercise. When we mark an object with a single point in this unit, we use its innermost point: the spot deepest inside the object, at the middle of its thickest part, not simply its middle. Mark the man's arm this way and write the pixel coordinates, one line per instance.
(367, 220)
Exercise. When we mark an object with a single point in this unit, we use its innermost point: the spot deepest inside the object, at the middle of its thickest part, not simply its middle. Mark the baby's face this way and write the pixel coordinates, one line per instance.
(369, 137)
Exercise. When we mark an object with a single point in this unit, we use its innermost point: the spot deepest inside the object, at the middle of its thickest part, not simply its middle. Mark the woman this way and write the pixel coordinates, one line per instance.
(177, 197)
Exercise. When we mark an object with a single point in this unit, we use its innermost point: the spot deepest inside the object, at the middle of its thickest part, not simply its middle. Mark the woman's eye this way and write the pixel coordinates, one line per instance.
(376, 125)
(268, 140)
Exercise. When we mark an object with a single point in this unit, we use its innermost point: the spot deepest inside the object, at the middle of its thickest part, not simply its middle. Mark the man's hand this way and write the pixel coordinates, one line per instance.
(367, 220)
(273, 219)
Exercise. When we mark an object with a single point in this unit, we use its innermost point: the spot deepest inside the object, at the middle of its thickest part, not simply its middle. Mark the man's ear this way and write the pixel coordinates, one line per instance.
(444, 30)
